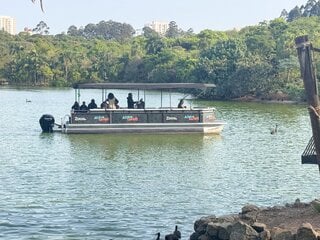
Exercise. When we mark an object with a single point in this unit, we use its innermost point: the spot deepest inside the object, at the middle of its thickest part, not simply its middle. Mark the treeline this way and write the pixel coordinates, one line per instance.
(259, 61)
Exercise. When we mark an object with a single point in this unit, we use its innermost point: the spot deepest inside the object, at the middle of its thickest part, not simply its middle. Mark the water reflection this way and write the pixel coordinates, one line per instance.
(113, 146)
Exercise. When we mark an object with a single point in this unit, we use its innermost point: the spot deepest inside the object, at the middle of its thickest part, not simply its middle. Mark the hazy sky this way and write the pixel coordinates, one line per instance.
(59, 15)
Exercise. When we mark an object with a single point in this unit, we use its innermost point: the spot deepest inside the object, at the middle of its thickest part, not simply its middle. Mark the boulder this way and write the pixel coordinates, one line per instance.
(249, 208)
(281, 234)
(265, 235)
(200, 226)
(306, 232)
(219, 230)
(242, 231)
(195, 236)
(316, 204)
(259, 227)
(249, 213)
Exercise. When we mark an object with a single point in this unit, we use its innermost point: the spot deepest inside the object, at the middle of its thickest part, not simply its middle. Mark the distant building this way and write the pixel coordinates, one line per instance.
(159, 27)
(8, 24)
(27, 31)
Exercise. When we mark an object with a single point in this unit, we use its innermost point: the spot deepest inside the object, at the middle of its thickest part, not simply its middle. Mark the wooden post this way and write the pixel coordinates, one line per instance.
(304, 48)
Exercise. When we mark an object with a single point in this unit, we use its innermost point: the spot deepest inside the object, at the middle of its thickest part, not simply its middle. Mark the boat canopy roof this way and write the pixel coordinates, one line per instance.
(143, 86)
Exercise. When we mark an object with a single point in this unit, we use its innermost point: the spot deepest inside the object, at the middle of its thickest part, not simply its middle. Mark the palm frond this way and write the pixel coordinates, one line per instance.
(41, 4)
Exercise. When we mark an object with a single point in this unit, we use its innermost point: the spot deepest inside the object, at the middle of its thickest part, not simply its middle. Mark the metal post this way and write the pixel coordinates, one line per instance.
(304, 49)
(170, 98)
(102, 95)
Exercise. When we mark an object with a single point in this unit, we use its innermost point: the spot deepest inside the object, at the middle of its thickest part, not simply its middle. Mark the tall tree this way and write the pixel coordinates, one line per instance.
(41, 28)
(294, 14)
(173, 30)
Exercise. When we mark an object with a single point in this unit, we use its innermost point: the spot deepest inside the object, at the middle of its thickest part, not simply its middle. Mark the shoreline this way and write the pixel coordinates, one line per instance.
(295, 221)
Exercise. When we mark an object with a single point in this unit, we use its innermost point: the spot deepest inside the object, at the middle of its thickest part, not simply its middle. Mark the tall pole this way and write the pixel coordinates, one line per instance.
(304, 49)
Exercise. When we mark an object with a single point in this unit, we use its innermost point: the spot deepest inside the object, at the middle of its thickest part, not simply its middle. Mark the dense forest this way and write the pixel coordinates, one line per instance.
(258, 61)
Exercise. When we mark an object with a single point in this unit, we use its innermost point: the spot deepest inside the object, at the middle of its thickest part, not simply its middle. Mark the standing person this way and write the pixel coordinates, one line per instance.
(75, 106)
(92, 104)
(113, 102)
(83, 106)
(130, 101)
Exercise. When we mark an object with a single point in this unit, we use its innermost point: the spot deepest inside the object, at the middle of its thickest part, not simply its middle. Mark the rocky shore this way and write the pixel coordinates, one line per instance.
(297, 221)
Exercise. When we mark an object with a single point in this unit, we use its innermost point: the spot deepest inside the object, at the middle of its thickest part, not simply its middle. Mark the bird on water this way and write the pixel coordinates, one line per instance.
(176, 235)
(158, 236)
(274, 130)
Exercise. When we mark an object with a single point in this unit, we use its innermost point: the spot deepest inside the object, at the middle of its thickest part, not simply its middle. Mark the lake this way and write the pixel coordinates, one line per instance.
(56, 186)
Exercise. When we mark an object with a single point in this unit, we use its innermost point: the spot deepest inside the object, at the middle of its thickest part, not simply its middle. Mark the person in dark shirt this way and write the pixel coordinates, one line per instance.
(104, 105)
(140, 104)
(83, 106)
(76, 106)
(130, 101)
(92, 104)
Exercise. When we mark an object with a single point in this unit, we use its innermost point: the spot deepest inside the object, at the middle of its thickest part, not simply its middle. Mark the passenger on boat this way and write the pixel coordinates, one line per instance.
(104, 105)
(113, 103)
(83, 106)
(180, 105)
(130, 101)
(140, 104)
(92, 104)
(75, 106)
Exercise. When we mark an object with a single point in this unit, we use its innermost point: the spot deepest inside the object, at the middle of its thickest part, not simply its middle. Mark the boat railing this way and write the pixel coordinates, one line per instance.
(145, 109)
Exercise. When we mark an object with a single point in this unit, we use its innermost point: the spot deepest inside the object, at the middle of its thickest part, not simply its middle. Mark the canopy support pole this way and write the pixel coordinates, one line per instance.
(304, 49)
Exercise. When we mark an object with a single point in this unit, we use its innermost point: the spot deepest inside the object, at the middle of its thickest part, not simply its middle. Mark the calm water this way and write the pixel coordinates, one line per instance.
(56, 186)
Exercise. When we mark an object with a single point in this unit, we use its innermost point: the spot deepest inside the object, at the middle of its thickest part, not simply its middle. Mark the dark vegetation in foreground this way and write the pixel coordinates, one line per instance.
(257, 61)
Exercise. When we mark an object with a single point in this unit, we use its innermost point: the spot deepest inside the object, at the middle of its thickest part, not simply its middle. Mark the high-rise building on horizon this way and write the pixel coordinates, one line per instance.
(8, 24)
(160, 27)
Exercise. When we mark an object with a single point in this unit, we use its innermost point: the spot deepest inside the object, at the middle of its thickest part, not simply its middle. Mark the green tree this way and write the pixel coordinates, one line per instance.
(173, 30)
(41, 28)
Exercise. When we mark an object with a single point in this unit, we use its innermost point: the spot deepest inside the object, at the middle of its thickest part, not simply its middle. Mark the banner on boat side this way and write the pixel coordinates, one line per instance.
(85, 118)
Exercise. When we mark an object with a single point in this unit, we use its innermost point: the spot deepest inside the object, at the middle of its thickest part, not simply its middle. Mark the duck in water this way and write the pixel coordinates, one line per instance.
(176, 235)
(274, 130)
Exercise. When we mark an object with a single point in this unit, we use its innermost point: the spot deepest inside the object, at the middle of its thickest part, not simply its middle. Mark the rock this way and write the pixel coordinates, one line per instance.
(316, 204)
(194, 236)
(203, 237)
(281, 234)
(249, 213)
(259, 227)
(306, 232)
(249, 208)
(219, 230)
(242, 231)
(265, 235)
(200, 226)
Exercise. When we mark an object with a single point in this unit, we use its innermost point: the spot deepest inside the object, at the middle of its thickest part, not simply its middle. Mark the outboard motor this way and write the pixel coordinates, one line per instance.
(47, 122)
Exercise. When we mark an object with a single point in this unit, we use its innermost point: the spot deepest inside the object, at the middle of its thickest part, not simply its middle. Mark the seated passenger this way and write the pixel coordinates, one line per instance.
(83, 107)
(140, 104)
(130, 101)
(104, 105)
(92, 104)
(180, 105)
(75, 106)
(112, 101)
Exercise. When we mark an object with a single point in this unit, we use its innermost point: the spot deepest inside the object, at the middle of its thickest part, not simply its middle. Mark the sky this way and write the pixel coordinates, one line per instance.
(222, 15)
